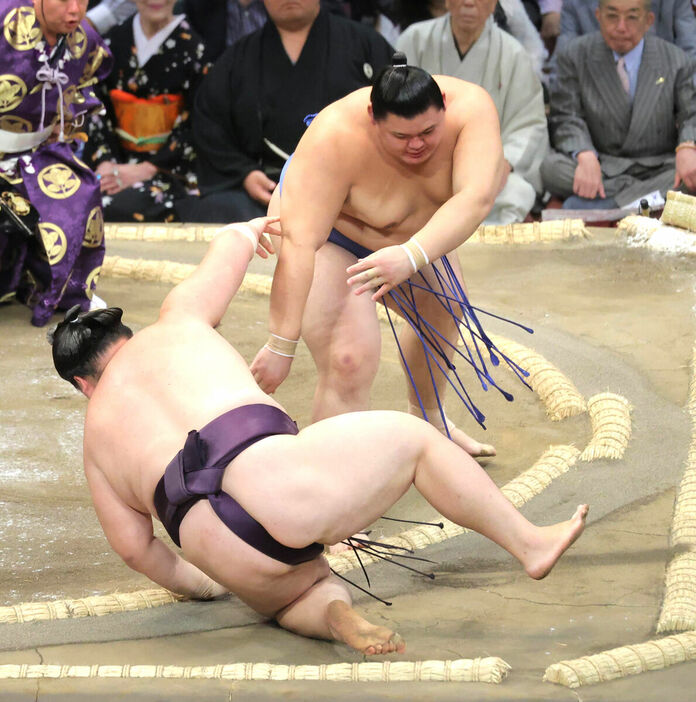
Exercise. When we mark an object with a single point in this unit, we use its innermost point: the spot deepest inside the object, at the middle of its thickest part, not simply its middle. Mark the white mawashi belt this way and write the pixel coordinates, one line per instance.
(14, 142)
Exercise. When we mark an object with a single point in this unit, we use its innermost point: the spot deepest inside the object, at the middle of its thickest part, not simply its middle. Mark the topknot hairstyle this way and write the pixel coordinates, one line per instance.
(403, 90)
(80, 339)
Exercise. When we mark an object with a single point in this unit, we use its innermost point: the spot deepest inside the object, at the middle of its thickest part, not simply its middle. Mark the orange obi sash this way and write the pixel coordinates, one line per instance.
(144, 124)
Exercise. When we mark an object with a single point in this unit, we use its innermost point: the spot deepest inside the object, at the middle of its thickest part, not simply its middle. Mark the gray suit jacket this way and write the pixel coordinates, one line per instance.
(674, 22)
(590, 110)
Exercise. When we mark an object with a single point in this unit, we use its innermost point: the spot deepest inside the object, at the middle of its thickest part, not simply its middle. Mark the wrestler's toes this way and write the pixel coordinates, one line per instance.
(398, 643)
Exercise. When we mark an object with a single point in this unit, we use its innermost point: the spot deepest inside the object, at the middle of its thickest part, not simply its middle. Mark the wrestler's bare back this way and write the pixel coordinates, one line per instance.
(157, 387)
(388, 201)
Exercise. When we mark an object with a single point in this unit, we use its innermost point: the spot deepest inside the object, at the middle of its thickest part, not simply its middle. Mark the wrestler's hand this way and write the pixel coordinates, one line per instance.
(259, 186)
(270, 370)
(587, 181)
(686, 168)
(381, 271)
(263, 226)
(208, 589)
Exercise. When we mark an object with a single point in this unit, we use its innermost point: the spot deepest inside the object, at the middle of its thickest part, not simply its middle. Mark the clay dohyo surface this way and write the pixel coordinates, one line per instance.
(611, 319)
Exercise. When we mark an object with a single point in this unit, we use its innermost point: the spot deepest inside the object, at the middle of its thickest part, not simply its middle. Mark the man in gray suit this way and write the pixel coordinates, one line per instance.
(674, 22)
(623, 115)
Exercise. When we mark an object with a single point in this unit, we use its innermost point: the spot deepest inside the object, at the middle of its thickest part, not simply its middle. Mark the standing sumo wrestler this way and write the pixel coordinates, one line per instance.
(382, 189)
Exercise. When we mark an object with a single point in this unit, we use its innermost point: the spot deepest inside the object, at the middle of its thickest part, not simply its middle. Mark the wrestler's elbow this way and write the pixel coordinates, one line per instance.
(133, 553)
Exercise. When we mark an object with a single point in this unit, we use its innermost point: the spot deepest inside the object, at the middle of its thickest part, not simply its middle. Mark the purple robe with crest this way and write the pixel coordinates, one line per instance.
(44, 90)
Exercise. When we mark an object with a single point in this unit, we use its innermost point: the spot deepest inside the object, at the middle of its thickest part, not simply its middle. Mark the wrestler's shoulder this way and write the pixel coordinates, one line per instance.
(343, 117)
(456, 88)
(463, 98)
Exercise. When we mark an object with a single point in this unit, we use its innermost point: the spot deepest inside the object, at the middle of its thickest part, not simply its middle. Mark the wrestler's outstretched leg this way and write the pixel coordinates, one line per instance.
(374, 457)
(416, 360)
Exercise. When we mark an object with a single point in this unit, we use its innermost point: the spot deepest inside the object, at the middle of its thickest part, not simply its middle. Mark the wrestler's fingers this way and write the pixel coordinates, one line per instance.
(276, 231)
(362, 265)
(383, 290)
(266, 244)
(364, 277)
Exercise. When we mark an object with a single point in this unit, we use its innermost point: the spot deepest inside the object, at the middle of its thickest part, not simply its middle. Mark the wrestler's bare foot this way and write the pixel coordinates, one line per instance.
(474, 448)
(343, 546)
(553, 542)
(348, 626)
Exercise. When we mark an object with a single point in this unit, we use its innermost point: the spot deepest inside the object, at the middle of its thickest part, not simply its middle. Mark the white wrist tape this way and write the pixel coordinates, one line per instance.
(246, 230)
(281, 346)
(416, 254)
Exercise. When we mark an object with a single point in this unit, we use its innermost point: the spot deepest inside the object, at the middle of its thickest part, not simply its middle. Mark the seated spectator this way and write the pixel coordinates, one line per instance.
(222, 22)
(674, 22)
(50, 59)
(250, 109)
(143, 147)
(470, 46)
(624, 104)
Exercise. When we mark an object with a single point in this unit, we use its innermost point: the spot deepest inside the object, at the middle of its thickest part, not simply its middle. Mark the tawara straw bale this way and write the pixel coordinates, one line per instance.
(172, 272)
(611, 427)
(94, 606)
(560, 396)
(161, 232)
(680, 211)
(636, 226)
(488, 670)
(623, 661)
(531, 232)
(555, 461)
(679, 604)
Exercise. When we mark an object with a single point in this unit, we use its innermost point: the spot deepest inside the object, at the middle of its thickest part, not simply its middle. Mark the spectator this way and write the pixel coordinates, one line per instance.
(674, 22)
(50, 59)
(222, 22)
(143, 147)
(249, 111)
(625, 102)
(468, 45)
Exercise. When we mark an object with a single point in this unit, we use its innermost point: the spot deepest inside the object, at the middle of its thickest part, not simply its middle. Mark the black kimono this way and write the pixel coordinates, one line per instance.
(176, 68)
(255, 93)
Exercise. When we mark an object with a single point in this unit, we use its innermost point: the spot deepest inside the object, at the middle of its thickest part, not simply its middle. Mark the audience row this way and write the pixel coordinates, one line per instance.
(189, 135)
(164, 155)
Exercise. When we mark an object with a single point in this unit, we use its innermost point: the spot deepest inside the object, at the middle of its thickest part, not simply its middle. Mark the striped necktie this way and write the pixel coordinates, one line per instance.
(623, 75)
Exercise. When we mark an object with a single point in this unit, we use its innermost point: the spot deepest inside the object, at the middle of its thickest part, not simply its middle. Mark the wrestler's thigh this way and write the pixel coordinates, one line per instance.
(334, 316)
(334, 478)
(264, 584)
